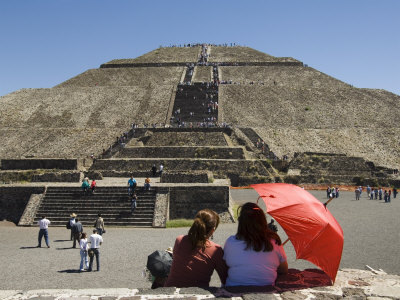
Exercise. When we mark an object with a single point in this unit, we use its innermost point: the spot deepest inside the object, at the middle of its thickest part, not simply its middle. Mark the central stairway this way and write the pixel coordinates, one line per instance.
(111, 202)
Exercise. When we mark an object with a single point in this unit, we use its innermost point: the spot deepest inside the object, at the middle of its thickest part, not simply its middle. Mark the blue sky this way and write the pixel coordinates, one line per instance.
(45, 42)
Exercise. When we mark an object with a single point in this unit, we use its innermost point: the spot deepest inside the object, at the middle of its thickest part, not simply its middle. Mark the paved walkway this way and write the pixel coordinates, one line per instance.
(370, 228)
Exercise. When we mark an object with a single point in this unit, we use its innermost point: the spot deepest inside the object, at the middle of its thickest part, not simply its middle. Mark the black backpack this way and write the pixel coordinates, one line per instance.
(68, 225)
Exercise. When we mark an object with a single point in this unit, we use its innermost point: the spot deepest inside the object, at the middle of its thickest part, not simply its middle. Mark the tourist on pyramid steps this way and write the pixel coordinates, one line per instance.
(83, 243)
(76, 230)
(161, 169)
(99, 224)
(85, 186)
(43, 231)
(380, 193)
(95, 241)
(147, 184)
(71, 223)
(93, 186)
(357, 192)
(133, 203)
(255, 255)
(154, 170)
(195, 256)
(131, 186)
(376, 194)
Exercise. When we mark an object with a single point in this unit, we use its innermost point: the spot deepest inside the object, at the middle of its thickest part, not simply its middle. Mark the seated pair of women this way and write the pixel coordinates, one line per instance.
(254, 256)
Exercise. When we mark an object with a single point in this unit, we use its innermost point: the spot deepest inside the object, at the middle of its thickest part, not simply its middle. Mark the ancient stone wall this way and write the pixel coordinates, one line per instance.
(185, 202)
(218, 166)
(187, 177)
(183, 152)
(13, 200)
(31, 164)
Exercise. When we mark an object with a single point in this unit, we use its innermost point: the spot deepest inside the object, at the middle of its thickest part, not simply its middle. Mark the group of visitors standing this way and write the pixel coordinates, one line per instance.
(87, 247)
(377, 193)
(332, 192)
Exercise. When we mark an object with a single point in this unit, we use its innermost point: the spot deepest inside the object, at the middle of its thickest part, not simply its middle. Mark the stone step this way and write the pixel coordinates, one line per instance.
(96, 197)
(183, 152)
(223, 166)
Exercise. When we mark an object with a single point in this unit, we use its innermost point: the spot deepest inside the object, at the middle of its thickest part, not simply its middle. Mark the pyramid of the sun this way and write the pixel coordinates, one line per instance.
(292, 107)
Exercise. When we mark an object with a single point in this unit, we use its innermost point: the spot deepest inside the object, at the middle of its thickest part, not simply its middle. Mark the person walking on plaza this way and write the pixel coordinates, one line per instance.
(161, 169)
(99, 224)
(43, 232)
(394, 192)
(71, 222)
(376, 194)
(357, 192)
(131, 185)
(76, 230)
(83, 243)
(380, 193)
(95, 241)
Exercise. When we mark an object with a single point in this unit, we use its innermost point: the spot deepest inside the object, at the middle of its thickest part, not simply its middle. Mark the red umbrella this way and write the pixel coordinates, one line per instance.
(315, 234)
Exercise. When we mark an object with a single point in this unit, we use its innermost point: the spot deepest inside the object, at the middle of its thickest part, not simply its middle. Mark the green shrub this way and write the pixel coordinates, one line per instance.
(179, 223)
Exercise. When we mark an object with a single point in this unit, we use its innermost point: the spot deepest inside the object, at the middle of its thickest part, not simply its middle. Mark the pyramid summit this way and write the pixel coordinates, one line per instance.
(205, 96)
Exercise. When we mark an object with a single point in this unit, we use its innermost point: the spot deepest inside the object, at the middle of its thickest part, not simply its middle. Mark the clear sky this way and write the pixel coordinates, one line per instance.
(45, 42)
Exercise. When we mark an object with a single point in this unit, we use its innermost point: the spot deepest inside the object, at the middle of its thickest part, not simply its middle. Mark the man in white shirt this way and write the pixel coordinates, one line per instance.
(95, 241)
(43, 231)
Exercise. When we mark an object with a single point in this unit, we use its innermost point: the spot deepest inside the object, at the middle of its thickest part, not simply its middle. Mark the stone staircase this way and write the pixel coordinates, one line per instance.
(112, 202)
(193, 98)
(254, 137)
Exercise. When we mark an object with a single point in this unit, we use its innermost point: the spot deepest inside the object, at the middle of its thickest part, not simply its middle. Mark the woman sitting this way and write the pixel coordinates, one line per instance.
(255, 254)
(195, 257)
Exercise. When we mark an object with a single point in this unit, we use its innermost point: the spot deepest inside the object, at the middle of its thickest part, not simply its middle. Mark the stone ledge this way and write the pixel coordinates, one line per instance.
(350, 284)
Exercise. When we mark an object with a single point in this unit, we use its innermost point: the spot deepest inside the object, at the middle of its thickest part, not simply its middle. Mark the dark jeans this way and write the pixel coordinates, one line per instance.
(77, 236)
(97, 254)
(45, 233)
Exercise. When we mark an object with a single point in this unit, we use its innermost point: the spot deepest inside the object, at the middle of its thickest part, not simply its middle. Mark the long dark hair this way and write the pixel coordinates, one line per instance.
(253, 229)
(205, 221)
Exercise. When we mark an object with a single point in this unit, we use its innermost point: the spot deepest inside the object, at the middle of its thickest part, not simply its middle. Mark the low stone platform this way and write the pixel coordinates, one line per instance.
(307, 284)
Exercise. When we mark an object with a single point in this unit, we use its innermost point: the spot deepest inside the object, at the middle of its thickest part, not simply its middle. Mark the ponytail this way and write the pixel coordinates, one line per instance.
(205, 221)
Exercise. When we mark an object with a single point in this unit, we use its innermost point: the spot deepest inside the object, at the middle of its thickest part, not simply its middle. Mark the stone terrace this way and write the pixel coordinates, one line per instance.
(287, 76)
(74, 122)
(243, 54)
(163, 55)
(126, 77)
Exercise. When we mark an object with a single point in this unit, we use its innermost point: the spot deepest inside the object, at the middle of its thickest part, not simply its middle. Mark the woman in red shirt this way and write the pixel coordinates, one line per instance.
(195, 257)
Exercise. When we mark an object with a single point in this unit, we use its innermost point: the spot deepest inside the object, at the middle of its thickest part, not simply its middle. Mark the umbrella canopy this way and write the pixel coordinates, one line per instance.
(315, 234)
(159, 263)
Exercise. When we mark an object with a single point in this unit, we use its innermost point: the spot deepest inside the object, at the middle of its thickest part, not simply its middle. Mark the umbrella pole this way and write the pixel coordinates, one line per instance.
(287, 240)
(326, 203)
